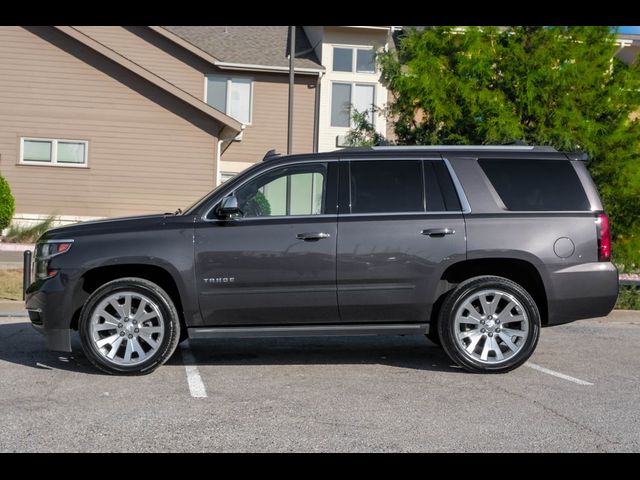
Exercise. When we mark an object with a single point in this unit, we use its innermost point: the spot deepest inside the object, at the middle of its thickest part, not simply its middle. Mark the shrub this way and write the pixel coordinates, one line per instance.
(7, 204)
(18, 234)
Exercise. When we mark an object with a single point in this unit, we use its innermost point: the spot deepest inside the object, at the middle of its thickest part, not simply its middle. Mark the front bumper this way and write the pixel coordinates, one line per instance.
(50, 307)
(587, 290)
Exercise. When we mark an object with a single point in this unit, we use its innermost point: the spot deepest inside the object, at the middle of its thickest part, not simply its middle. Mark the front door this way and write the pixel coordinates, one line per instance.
(276, 262)
(400, 225)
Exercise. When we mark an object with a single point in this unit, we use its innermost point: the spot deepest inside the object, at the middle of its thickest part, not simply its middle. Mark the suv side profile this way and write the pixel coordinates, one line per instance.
(475, 247)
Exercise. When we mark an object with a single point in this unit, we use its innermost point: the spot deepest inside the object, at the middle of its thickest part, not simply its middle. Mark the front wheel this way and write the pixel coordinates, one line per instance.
(129, 326)
(489, 324)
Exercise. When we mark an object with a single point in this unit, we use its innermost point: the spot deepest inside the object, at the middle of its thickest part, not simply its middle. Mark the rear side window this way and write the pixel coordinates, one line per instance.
(386, 186)
(538, 185)
(441, 194)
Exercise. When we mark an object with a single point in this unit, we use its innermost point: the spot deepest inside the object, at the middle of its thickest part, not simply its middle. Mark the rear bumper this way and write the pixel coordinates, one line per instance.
(50, 309)
(587, 290)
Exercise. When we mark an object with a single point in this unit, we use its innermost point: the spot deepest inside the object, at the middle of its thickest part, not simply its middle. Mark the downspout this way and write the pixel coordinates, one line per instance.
(222, 140)
(316, 126)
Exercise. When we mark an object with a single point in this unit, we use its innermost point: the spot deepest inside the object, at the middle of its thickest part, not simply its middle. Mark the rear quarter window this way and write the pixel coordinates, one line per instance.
(536, 185)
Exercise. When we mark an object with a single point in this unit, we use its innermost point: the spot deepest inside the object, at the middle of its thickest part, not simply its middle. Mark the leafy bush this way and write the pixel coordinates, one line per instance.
(628, 298)
(7, 204)
(19, 234)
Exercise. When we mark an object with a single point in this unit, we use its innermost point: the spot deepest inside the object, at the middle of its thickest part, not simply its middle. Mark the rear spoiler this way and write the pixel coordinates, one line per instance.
(581, 156)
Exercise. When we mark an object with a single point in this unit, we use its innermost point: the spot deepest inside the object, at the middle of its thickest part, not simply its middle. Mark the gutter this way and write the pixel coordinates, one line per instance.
(266, 68)
(219, 152)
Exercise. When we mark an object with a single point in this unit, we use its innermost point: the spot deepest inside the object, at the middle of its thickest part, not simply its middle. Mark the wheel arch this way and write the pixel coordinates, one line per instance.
(520, 271)
(95, 277)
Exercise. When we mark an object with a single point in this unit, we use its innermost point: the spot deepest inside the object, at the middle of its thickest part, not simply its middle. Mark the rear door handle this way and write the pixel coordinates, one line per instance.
(312, 236)
(438, 232)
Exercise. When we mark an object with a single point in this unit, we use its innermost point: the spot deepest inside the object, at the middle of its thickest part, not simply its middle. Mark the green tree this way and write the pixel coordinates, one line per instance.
(7, 204)
(363, 133)
(557, 86)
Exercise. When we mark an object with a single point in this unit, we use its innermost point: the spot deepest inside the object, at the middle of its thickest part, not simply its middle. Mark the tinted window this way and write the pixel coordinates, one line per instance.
(536, 184)
(386, 186)
(441, 194)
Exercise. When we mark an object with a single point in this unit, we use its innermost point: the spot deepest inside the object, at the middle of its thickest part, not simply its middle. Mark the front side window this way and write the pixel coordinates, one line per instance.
(345, 97)
(386, 186)
(46, 151)
(231, 95)
(287, 191)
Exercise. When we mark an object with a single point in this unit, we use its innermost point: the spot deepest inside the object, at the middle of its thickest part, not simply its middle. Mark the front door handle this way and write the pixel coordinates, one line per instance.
(438, 232)
(312, 236)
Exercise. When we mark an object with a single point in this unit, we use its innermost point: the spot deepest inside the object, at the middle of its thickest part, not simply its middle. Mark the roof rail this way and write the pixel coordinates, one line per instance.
(270, 155)
(468, 147)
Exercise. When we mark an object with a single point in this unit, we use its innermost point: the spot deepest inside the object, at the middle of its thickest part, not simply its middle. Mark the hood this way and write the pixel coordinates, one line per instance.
(110, 225)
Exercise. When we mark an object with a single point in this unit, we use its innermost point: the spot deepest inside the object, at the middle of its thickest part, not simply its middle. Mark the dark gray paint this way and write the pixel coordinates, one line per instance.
(371, 270)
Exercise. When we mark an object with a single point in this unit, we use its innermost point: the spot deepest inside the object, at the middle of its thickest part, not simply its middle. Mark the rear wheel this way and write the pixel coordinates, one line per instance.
(129, 326)
(489, 324)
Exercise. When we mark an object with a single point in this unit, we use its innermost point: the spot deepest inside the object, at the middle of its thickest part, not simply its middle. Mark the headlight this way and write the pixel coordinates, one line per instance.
(44, 252)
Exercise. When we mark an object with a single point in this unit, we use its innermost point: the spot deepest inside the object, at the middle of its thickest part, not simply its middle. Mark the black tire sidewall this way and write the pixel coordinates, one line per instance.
(446, 323)
(169, 317)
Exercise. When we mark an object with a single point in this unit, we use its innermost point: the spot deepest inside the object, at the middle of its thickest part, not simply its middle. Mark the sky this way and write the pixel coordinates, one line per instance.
(629, 29)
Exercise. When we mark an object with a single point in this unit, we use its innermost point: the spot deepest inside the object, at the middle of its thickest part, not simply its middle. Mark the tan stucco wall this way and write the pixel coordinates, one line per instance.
(148, 151)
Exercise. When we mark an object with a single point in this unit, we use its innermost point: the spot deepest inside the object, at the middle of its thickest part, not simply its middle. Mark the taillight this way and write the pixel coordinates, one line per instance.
(604, 237)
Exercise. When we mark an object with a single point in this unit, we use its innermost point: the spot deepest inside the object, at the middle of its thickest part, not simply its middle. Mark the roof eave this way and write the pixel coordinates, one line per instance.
(151, 77)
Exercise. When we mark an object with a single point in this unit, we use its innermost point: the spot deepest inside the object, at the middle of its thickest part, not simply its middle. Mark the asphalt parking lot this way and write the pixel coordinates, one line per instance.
(580, 393)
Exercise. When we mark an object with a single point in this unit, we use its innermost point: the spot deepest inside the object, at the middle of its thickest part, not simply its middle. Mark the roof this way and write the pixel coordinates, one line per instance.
(231, 125)
(266, 46)
(470, 151)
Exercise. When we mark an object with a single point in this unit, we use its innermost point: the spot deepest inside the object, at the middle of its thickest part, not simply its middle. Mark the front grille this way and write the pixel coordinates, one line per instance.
(35, 317)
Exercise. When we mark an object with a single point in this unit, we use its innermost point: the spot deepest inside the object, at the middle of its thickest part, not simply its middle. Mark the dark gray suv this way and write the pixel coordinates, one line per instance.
(474, 247)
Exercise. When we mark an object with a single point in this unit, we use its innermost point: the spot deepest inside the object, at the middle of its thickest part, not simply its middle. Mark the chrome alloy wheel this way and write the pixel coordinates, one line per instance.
(127, 328)
(491, 326)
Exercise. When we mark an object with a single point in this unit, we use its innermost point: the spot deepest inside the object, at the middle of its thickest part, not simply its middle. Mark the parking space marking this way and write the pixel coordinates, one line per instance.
(558, 374)
(196, 386)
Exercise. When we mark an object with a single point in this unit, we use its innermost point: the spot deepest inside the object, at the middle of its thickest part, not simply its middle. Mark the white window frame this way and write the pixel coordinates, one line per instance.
(230, 80)
(54, 153)
(353, 89)
(354, 59)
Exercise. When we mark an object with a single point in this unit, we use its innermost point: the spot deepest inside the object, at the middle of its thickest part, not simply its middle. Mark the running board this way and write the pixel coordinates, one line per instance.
(309, 330)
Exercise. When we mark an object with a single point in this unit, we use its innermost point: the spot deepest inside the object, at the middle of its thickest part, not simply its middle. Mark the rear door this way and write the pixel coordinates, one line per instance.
(400, 224)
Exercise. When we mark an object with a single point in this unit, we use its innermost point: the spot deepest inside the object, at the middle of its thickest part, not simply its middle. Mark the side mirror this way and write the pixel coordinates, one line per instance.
(229, 207)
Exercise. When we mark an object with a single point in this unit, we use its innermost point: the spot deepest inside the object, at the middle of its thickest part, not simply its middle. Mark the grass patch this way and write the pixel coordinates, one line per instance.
(19, 234)
(628, 298)
(10, 284)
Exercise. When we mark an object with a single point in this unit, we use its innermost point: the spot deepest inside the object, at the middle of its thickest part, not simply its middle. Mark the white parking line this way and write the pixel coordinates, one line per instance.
(196, 387)
(557, 374)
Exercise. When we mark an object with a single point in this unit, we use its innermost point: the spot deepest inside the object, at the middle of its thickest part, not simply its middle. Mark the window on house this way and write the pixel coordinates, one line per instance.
(365, 62)
(342, 59)
(344, 96)
(226, 176)
(45, 151)
(231, 95)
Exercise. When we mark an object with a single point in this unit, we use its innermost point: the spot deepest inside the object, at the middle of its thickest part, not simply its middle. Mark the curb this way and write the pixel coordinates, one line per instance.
(16, 247)
(13, 315)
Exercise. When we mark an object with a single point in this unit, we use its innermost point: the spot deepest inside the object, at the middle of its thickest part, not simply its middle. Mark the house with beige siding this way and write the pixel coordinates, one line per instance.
(104, 121)
(110, 121)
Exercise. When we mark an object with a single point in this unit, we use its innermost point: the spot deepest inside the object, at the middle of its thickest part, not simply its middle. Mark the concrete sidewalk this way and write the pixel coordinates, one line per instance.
(12, 309)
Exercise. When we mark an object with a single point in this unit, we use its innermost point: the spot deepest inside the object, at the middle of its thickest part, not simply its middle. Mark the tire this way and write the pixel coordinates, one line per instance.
(143, 339)
(472, 328)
